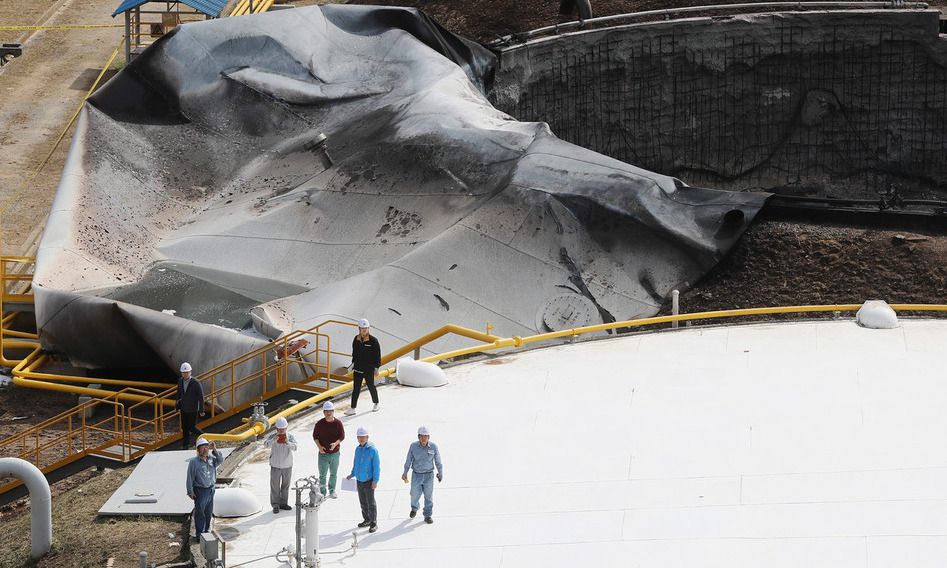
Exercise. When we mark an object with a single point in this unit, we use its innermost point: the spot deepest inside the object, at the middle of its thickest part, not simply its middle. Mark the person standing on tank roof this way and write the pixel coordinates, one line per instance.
(366, 358)
(191, 404)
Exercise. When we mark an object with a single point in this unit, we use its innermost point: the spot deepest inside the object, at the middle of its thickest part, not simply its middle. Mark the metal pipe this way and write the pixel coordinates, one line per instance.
(516, 341)
(689, 9)
(41, 503)
(98, 393)
(312, 534)
(143, 559)
(675, 306)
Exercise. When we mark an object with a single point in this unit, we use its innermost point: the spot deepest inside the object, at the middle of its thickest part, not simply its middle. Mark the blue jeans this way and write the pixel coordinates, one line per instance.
(422, 483)
(203, 509)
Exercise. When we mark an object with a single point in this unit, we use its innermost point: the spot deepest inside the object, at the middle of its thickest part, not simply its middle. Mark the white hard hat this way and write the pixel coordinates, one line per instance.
(362, 431)
(363, 323)
(201, 441)
(423, 431)
(327, 405)
(281, 422)
(185, 367)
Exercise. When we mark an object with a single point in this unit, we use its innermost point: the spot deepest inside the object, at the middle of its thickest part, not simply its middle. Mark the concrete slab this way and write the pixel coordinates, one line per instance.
(156, 487)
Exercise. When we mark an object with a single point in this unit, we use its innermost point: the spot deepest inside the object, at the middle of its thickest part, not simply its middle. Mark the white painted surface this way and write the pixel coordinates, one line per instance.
(160, 480)
(778, 445)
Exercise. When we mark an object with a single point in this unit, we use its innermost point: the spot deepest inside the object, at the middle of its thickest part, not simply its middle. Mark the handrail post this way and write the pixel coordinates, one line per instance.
(675, 306)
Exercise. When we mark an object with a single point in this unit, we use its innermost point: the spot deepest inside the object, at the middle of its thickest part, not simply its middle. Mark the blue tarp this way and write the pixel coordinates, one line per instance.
(209, 7)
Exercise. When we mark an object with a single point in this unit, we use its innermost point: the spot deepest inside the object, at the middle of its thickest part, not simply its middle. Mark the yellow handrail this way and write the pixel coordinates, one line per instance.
(516, 342)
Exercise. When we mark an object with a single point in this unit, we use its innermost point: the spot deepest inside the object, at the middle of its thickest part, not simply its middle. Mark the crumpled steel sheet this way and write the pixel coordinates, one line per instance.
(195, 184)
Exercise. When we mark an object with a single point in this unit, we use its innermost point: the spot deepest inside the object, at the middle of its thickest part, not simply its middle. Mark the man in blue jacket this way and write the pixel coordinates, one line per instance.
(367, 471)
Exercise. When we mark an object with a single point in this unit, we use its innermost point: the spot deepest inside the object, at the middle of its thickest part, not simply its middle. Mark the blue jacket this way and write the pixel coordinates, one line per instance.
(367, 465)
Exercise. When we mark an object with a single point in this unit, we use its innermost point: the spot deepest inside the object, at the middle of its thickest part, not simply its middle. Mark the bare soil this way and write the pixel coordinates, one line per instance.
(57, 68)
(785, 264)
(83, 540)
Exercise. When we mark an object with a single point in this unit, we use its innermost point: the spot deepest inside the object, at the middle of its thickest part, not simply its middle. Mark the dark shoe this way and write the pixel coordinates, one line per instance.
(412, 514)
(286, 507)
(275, 509)
(363, 524)
(429, 520)
(373, 528)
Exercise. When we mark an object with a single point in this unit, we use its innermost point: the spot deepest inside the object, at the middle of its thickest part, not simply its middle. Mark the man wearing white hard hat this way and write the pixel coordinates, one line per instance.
(200, 480)
(366, 469)
(190, 402)
(328, 434)
(366, 359)
(282, 445)
(423, 457)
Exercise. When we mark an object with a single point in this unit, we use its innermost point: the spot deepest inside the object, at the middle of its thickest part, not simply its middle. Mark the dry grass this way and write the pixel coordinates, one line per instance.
(83, 540)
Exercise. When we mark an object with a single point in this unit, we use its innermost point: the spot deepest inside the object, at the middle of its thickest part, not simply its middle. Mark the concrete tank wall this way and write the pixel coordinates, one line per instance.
(838, 103)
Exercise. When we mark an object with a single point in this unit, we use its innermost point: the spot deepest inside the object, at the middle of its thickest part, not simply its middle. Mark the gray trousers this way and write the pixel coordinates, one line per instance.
(279, 485)
(366, 498)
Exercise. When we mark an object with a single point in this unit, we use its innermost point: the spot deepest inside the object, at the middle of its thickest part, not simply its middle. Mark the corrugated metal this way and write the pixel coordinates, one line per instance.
(127, 5)
(209, 7)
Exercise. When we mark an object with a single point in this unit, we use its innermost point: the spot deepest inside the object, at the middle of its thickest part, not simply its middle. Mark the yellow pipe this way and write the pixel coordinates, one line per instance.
(264, 6)
(518, 341)
(515, 342)
(23, 373)
(14, 344)
(88, 380)
(22, 334)
(24, 376)
(85, 391)
(437, 334)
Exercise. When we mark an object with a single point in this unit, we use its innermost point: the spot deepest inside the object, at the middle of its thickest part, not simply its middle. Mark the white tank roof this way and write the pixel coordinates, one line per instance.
(803, 444)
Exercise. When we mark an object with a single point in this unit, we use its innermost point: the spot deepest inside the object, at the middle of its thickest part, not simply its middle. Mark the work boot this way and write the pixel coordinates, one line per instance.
(333, 495)
(350, 412)
(275, 509)
(372, 528)
(412, 514)
(363, 524)
(376, 407)
(286, 507)
(429, 520)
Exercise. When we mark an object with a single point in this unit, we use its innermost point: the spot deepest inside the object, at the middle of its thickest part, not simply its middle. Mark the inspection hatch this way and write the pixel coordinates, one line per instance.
(566, 311)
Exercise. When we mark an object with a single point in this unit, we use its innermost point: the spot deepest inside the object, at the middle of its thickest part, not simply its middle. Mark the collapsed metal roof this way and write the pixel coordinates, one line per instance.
(194, 191)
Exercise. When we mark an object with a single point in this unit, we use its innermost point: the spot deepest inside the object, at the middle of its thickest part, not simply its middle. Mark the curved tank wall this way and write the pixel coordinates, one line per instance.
(828, 103)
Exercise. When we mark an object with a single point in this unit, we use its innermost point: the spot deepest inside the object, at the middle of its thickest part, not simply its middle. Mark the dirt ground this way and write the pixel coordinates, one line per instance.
(94, 541)
(57, 68)
(784, 264)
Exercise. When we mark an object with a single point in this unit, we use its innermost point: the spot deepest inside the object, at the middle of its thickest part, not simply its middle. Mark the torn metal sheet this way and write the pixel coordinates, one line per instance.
(203, 158)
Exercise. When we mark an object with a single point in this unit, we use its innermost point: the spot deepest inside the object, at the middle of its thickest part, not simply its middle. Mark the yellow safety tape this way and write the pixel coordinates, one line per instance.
(63, 27)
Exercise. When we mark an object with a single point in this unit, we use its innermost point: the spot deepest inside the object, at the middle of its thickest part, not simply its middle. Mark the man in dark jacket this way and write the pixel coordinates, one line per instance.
(191, 404)
(366, 358)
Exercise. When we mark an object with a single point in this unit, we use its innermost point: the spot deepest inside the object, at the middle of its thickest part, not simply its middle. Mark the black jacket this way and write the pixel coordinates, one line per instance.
(193, 399)
(366, 356)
